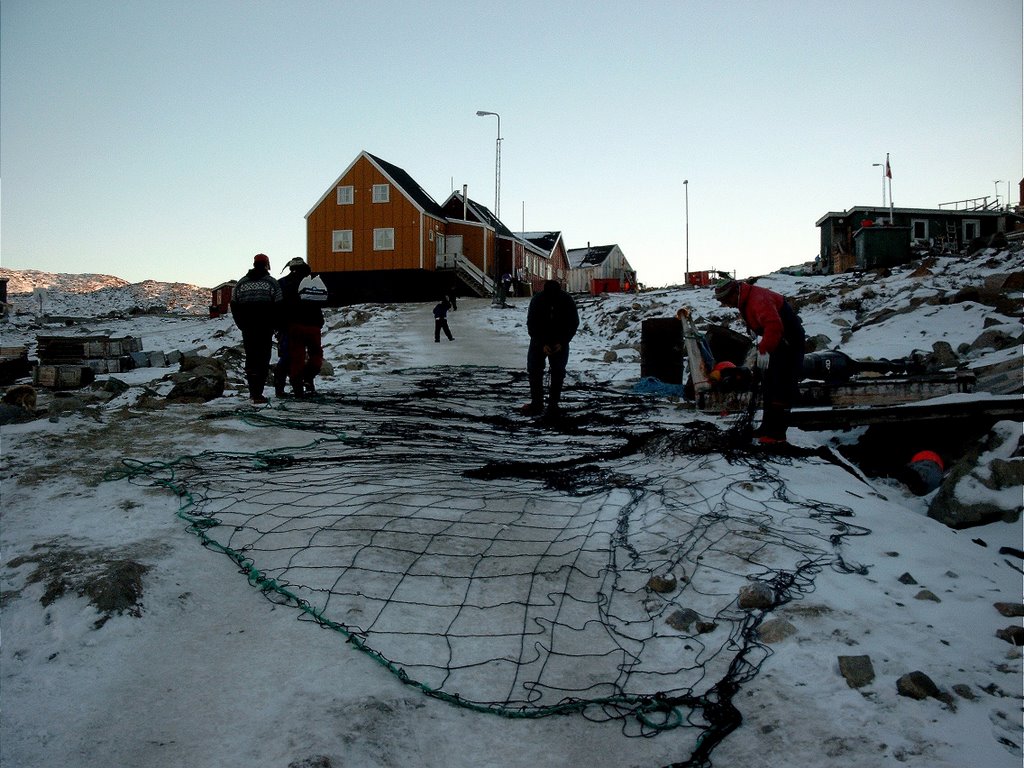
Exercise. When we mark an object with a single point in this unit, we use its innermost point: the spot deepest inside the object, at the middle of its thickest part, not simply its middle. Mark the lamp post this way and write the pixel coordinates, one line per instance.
(997, 182)
(497, 164)
(882, 166)
(686, 189)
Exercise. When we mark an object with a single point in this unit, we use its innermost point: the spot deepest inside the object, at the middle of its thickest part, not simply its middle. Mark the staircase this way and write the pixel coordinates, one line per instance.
(468, 273)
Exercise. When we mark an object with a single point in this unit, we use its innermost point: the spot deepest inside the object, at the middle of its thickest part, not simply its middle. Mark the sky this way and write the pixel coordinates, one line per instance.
(173, 140)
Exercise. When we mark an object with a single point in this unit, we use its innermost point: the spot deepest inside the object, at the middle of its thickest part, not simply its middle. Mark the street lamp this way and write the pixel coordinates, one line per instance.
(686, 188)
(882, 166)
(497, 164)
(997, 182)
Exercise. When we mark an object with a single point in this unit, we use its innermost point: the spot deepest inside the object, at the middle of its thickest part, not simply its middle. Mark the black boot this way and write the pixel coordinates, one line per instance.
(280, 379)
(536, 406)
(554, 398)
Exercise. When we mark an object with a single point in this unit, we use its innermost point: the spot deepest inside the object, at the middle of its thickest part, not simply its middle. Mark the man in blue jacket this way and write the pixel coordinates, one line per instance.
(552, 321)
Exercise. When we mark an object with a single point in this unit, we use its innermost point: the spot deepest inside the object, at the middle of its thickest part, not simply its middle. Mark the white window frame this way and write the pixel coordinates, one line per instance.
(346, 194)
(913, 226)
(382, 193)
(384, 239)
(967, 224)
(341, 241)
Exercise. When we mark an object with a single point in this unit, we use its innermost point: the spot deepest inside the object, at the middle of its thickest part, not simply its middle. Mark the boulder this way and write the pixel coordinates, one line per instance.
(970, 494)
(756, 596)
(857, 670)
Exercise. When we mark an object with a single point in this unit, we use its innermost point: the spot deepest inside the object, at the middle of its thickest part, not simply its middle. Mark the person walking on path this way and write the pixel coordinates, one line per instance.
(780, 350)
(255, 307)
(551, 320)
(441, 321)
(302, 322)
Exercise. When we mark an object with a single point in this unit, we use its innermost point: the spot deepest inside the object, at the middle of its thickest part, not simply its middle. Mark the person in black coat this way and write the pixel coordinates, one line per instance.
(255, 306)
(552, 321)
(441, 321)
(301, 328)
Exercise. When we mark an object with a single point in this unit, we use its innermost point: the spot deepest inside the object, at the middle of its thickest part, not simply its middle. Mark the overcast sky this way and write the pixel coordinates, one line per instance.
(172, 140)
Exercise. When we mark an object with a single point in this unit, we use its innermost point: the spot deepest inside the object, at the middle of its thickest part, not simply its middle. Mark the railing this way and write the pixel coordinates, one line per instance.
(973, 204)
(470, 273)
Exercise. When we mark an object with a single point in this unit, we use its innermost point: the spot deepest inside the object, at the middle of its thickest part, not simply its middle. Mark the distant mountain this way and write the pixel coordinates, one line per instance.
(92, 295)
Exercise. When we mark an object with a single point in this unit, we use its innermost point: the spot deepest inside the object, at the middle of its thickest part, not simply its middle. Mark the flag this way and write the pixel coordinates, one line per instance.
(888, 170)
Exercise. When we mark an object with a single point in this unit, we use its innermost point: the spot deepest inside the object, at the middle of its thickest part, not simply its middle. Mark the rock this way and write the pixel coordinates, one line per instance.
(193, 361)
(817, 343)
(14, 414)
(927, 594)
(1006, 473)
(942, 356)
(857, 670)
(906, 578)
(1013, 634)
(917, 685)
(775, 631)
(326, 369)
(1010, 609)
(755, 596)
(610, 356)
(111, 385)
(994, 339)
(316, 761)
(964, 691)
(703, 627)
(198, 389)
(683, 619)
(948, 508)
(662, 584)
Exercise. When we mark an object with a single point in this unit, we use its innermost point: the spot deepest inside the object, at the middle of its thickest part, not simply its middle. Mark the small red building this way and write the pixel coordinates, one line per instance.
(220, 304)
(699, 279)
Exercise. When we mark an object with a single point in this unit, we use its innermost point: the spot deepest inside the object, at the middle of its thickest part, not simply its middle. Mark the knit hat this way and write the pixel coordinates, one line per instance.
(298, 261)
(261, 260)
(725, 288)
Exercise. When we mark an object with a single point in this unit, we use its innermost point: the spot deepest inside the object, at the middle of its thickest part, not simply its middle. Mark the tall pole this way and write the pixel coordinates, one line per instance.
(497, 164)
(996, 183)
(888, 173)
(686, 189)
(882, 166)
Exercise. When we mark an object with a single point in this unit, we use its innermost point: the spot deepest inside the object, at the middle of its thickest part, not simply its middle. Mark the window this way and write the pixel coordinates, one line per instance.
(381, 193)
(384, 239)
(920, 229)
(342, 241)
(971, 229)
(346, 195)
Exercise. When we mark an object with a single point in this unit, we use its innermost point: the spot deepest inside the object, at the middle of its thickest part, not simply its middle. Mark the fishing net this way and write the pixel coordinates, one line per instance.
(523, 568)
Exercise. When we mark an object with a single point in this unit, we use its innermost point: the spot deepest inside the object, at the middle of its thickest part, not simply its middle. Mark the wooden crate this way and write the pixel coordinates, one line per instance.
(62, 376)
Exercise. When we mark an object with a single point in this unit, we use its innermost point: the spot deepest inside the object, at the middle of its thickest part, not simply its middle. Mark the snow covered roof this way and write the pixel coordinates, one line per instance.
(481, 212)
(591, 256)
(543, 240)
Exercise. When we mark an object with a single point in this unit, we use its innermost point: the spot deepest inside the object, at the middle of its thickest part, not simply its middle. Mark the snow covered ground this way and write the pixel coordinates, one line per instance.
(212, 673)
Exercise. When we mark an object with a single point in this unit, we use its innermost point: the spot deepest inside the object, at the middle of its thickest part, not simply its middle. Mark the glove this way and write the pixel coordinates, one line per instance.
(750, 361)
(762, 361)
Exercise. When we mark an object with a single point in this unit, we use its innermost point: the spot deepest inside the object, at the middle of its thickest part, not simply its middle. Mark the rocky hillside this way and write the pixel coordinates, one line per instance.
(29, 290)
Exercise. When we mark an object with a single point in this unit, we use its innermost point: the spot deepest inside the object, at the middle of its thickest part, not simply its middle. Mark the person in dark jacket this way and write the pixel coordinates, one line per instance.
(781, 340)
(301, 327)
(552, 321)
(255, 304)
(441, 321)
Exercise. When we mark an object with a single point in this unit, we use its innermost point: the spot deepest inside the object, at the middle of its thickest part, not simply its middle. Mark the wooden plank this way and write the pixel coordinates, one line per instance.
(994, 408)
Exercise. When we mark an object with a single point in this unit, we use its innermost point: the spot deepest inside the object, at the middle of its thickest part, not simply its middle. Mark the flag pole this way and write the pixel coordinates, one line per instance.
(888, 173)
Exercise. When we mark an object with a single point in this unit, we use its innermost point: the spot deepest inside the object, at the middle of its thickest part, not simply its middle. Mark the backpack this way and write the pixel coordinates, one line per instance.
(312, 288)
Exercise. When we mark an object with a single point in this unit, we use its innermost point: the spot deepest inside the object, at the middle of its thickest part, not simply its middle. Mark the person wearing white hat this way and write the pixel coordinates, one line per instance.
(301, 326)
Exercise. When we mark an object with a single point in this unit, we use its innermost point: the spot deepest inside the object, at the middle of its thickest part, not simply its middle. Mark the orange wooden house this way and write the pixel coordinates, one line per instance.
(377, 235)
